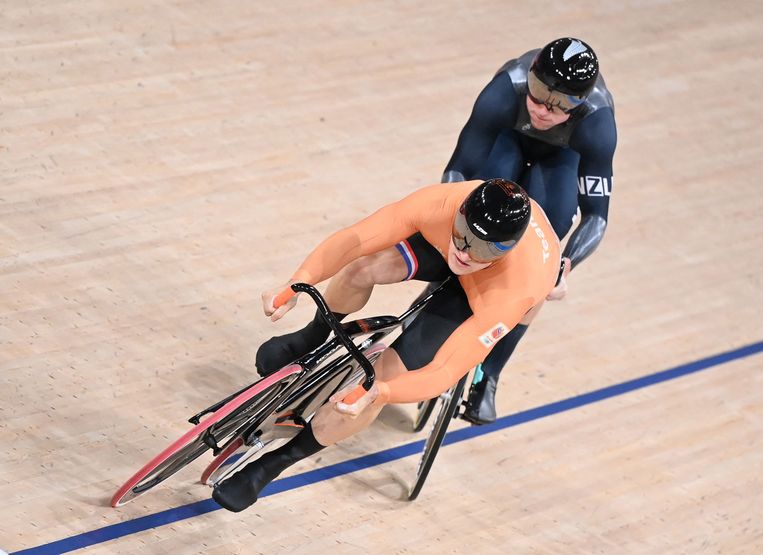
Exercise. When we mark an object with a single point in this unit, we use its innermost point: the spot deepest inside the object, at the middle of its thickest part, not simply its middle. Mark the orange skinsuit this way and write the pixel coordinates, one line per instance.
(499, 295)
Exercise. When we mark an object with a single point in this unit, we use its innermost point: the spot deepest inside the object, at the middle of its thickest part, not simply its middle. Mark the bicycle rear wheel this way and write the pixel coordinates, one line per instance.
(188, 447)
(447, 404)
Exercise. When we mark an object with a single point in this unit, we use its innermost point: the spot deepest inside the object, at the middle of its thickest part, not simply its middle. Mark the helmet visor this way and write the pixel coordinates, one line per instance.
(478, 249)
(540, 93)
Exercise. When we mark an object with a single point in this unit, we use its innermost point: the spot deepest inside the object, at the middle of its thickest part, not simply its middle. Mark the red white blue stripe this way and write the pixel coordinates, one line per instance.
(410, 258)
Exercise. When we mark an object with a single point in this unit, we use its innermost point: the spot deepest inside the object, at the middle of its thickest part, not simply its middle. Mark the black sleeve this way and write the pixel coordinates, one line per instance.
(595, 140)
(494, 110)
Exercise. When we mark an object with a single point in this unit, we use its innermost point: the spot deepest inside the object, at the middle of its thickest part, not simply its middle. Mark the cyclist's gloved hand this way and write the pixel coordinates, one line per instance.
(558, 292)
(285, 295)
(357, 407)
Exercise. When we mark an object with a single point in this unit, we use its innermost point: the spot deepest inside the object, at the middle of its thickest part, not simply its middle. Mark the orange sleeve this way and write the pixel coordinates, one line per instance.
(463, 350)
(382, 229)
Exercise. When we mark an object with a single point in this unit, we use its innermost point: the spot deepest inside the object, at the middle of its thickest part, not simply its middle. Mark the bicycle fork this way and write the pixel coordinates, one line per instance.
(478, 376)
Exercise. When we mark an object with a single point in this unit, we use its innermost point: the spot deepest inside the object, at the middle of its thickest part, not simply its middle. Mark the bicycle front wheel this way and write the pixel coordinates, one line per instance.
(446, 406)
(188, 447)
(305, 406)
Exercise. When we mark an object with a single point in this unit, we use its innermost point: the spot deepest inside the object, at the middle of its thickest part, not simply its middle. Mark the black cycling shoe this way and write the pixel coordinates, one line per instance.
(480, 407)
(279, 351)
(241, 490)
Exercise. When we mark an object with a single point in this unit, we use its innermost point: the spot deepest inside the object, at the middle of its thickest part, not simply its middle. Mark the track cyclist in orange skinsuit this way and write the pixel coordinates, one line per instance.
(546, 120)
(506, 257)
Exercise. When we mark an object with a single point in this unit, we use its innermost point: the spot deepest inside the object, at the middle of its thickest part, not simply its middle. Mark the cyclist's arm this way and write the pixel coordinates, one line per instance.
(494, 110)
(595, 140)
(382, 229)
(467, 346)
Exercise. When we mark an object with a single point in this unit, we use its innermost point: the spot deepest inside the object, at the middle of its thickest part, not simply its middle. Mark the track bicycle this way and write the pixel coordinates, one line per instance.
(272, 410)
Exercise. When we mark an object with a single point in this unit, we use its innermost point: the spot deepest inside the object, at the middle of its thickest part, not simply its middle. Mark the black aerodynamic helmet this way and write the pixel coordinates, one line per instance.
(492, 219)
(567, 66)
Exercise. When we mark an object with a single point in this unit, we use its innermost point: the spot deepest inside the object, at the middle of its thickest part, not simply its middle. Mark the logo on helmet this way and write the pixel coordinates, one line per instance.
(575, 47)
(475, 225)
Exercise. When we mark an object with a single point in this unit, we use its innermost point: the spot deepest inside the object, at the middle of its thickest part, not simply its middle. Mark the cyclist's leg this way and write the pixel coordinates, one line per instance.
(331, 426)
(505, 160)
(348, 292)
(350, 289)
(552, 183)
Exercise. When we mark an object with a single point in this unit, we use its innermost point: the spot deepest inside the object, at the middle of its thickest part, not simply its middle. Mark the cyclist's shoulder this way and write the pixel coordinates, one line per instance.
(533, 268)
(539, 220)
(445, 192)
(516, 69)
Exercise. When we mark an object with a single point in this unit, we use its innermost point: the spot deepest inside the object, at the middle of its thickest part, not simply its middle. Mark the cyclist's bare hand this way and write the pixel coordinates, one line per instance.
(558, 292)
(268, 300)
(357, 407)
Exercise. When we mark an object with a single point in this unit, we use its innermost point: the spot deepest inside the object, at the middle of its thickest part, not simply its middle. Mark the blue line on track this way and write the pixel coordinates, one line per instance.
(169, 516)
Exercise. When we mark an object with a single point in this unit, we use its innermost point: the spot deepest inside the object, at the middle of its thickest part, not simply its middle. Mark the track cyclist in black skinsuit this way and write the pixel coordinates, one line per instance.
(545, 120)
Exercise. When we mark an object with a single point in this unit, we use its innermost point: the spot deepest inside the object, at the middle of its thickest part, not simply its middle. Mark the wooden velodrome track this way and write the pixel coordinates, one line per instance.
(164, 162)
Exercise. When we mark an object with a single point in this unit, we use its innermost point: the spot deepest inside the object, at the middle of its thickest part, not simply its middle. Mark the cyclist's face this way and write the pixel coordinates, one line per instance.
(542, 118)
(461, 264)
(465, 241)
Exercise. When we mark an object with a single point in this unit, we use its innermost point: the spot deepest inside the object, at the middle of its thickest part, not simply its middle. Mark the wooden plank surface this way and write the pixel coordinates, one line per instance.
(163, 163)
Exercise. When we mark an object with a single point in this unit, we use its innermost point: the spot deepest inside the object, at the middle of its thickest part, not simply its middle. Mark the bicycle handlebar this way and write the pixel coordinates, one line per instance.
(343, 338)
